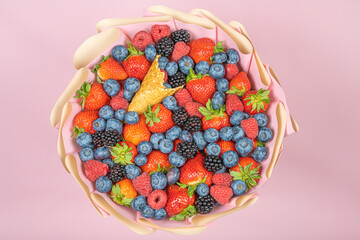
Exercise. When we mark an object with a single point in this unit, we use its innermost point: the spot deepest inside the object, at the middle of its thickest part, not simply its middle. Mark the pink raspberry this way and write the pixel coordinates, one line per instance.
(157, 199)
(250, 127)
(192, 109)
(231, 70)
(141, 40)
(119, 103)
(233, 103)
(95, 169)
(222, 179)
(166, 75)
(182, 97)
(160, 31)
(180, 50)
(142, 184)
(221, 194)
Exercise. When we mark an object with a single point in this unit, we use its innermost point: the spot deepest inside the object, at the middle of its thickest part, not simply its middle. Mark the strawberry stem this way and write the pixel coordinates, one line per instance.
(219, 47)
(151, 116)
(258, 99)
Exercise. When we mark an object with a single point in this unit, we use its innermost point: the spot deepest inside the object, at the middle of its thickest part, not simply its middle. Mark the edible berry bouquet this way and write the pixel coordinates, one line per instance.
(171, 122)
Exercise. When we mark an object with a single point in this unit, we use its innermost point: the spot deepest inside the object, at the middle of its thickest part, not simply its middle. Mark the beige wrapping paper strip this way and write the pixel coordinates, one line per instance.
(152, 90)
(71, 164)
(136, 227)
(181, 16)
(75, 83)
(94, 46)
(191, 230)
(112, 22)
(60, 146)
(241, 203)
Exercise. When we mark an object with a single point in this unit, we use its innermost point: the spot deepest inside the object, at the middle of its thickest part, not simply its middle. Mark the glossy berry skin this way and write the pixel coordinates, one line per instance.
(163, 61)
(201, 90)
(119, 53)
(233, 56)
(201, 49)
(236, 118)
(150, 52)
(114, 124)
(238, 133)
(176, 159)
(230, 159)
(173, 175)
(199, 140)
(185, 136)
(211, 135)
(202, 189)
(178, 200)
(147, 212)
(217, 122)
(102, 153)
(155, 140)
(217, 71)
(239, 187)
(144, 147)
(166, 146)
(213, 149)
(202, 67)
(140, 160)
(84, 140)
(136, 66)
(156, 158)
(244, 146)
(226, 133)
(260, 154)
(103, 184)
(160, 214)
(170, 103)
(86, 154)
(120, 114)
(111, 87)
(99, 124)
(171, 68)
(132, 171)
(106, 112)
(218, 100)
(185, 63)
(132, 84)
(159, 118)
(222, 85)
(173, 133)
(265, 134)
(109, 162)
(139, 203)
(85, 120)
(194, 171)
(158, 180)
(131, 117)
(261, 119)
(219, 57)
(128, 95)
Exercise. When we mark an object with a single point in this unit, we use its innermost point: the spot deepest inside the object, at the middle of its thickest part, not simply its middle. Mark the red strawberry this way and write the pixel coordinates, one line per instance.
(141, 40)
(180, 50)
(119, 103)
(179, 202)
(214, 118)
(256, 102)
(239, 85)
(201, 49)
(250, 127)
(201, 88)
(221, 194)
(95, 169)
(142, 184)
(233, 103)
(156, 160)
(110, 68)
(93, 96)
(124, 153)
(157, 199)
(192, 109)
(136, 64)
(160, 31)
(231, 70)
(224, 179)
(84, 121)
(225, 146)
(247, 170)
(159, 118)
(182, 97)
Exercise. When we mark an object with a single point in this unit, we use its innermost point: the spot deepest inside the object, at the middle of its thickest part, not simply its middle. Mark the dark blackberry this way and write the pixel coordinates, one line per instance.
(177, 79)
(117, 173)
(193, 124)
(213, 163)
(180, 35)
(180, 116)
(165, 46)
(110, 138)
(187, 149)
(204, 205)
(97, 140)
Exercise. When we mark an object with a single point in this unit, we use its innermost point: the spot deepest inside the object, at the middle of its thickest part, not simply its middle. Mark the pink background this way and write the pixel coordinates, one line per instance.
(312, 46)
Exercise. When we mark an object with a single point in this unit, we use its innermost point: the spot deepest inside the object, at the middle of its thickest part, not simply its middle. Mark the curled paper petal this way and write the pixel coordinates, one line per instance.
(60, 146)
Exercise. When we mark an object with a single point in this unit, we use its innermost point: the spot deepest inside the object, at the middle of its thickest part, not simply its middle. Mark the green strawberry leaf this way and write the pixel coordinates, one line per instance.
(133, 51)
(219, 47)
(258, 143)
(83, 92)
(192, 75)
(257, 100)
(118, 197)
(186, 213)
(151, 116)
(99, 80)
(235, 90)
(246, 175)
(103, 59)
(122, 154)
(77, 131)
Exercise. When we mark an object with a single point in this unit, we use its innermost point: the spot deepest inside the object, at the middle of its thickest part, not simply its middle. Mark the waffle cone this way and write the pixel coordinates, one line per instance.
(152, 90)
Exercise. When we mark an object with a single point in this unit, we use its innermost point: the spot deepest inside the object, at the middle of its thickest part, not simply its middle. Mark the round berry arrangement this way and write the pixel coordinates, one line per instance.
(198, 145)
